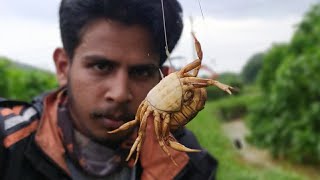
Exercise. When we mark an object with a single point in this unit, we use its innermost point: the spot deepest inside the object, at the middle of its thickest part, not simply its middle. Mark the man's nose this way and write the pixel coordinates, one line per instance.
(119, 89)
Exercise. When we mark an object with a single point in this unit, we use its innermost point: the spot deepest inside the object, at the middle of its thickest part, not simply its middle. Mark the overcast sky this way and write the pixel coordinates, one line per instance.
(230, 32)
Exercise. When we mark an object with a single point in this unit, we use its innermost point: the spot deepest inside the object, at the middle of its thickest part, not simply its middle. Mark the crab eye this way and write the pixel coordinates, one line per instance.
(187, 96)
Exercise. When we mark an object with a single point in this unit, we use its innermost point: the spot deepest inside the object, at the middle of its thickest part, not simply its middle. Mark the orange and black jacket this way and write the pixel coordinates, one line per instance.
(23, 157)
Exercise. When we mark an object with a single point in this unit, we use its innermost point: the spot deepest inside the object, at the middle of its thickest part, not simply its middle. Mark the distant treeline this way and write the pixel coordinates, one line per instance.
(23, 82)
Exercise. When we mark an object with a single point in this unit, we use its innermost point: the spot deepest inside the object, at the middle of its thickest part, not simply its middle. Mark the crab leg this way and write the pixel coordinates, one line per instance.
(142, 107)
(165, 125)
(196, 64)
(134, 122)
(220, 85)
(157, 125)
(179, 147)
(171, 141)
(198, 46)
(199, 83)
(137, 143)
(125, 126)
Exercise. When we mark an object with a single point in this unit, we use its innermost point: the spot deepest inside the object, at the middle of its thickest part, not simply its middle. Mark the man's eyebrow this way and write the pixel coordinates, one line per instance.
(97, 58)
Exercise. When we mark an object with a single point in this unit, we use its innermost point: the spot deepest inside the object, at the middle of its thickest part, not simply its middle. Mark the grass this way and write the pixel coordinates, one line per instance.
(208, 130)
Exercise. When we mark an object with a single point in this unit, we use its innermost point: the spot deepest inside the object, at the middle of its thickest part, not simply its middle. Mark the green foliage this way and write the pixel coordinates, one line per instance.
(286, 119)
(23, 83)
(306, 38)
(251, 68)
(271, 61)
(4, 65)
(233, 107)
(231, 79)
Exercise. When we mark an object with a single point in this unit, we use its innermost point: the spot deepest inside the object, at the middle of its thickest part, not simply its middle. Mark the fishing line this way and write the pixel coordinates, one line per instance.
(161, 74)
(165, 31)
(201, 9)
(165, 36)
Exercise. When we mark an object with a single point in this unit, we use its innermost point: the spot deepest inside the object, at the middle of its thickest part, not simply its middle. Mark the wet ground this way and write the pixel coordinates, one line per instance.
(237, 131)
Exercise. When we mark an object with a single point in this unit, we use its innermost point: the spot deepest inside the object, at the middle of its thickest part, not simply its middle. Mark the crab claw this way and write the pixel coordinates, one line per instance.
(200, 83)
(222, 86)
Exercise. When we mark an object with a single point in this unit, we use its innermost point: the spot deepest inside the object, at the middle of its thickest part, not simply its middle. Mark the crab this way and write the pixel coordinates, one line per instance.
(173, 102)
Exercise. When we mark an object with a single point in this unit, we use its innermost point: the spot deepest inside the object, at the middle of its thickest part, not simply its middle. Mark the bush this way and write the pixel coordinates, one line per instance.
(286, 119)
(23, 82)
(233, 107)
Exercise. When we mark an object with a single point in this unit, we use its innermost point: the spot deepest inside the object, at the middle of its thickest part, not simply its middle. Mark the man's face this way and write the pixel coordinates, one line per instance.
(112, 70)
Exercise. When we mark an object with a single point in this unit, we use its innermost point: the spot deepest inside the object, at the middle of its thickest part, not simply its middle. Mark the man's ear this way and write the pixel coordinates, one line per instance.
(62, 63)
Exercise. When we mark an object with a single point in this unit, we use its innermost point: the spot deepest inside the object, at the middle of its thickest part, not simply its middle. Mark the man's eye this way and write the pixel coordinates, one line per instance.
(103, 67)
(144, 73)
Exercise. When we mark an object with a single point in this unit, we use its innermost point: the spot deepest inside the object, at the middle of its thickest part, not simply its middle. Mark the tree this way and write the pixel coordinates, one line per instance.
(251, 68)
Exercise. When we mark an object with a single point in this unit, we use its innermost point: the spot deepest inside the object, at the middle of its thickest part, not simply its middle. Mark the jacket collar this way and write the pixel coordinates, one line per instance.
(36, 157)
(154, 161)
(48, 136)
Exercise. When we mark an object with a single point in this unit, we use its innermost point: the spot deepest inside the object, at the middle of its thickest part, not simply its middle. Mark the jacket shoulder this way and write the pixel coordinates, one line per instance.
(17, 121)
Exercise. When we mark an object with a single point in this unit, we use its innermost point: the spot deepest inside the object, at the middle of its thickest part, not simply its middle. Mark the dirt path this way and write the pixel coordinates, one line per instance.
(237, 131)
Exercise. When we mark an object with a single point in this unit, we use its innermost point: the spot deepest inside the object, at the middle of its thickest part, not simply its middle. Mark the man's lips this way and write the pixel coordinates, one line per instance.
(111, 124)
(111, 119)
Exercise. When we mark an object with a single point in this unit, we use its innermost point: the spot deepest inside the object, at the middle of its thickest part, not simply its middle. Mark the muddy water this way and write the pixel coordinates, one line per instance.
(237, 131)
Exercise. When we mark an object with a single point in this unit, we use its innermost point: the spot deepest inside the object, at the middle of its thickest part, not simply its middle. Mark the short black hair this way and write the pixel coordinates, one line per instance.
(76, 14)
